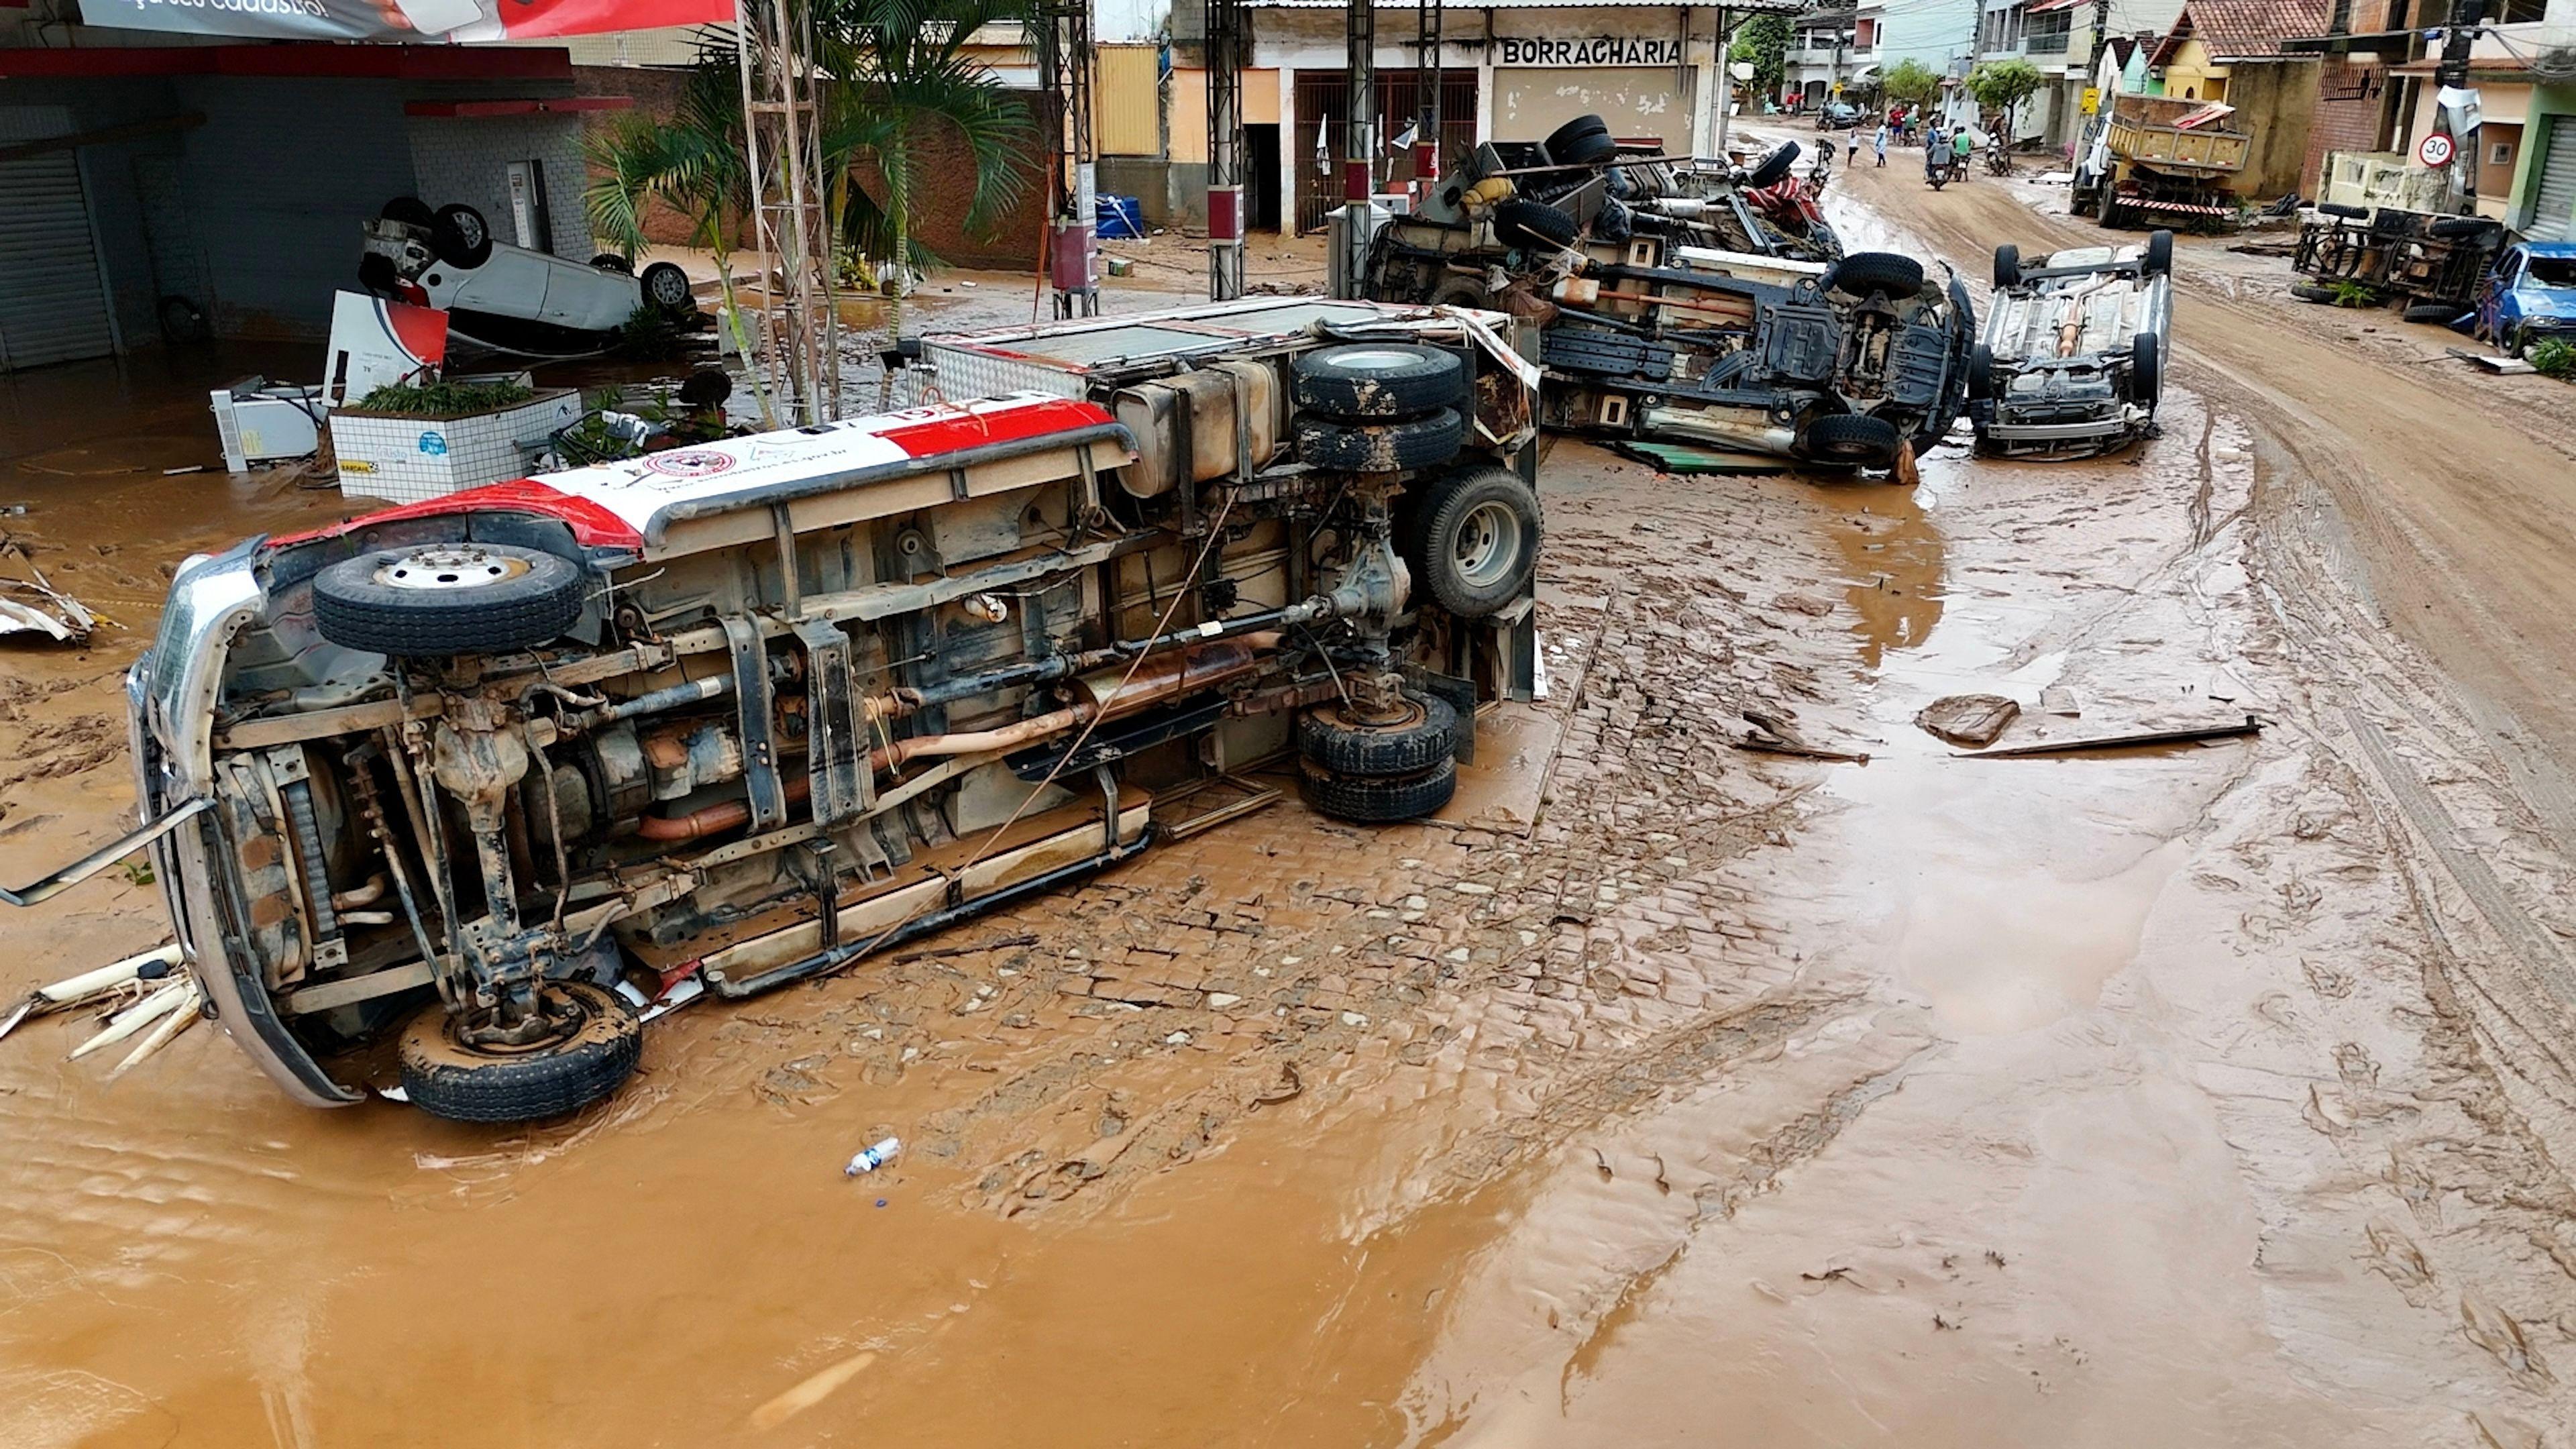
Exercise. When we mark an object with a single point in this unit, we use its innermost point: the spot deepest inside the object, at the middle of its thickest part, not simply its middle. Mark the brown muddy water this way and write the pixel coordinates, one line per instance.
(2199, 1095)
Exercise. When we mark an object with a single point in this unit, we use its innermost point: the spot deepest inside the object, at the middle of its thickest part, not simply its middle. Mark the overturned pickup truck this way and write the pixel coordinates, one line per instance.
(479, 772)
(1517, 206)
(2073, 357)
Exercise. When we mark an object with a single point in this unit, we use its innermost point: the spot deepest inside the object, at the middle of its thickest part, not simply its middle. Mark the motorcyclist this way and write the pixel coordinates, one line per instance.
(1963, 149)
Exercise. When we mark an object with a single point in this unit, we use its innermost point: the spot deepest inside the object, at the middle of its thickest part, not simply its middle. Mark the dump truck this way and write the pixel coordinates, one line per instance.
(2159, 161)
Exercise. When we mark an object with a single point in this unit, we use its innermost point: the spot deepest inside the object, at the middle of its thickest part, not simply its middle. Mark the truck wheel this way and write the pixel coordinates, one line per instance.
(2308, 292)
(2007, 267)
(460, 236)
(1380, 800)
(2107, 211)
(1774, 167)
(1533, 223)
(1862, 273)
(438, 599)
(667, 287)
(2158, 260)
(461, 1081)
(1367, 381)
(1851, 439)
(1981, 373)
(2336, 208)
(1427, 735)
(2146, 369)
(1473, 540)
(2458, 226)
(2440, 314)
(1379, 447)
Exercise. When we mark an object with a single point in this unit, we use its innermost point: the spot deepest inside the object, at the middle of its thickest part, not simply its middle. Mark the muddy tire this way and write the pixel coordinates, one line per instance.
(2454, 227)
(1377, 801)
(1472, 539)
(1774, 167)
(1427, 735)
(1533, 224)
(460, 236)
(2308, 293)
(1379, 447)
(431, 600)
(2158, 260)
(2107, 212)
(2440, 314)
(1371, 381)
(1981, 373)
(1862, 273)
(2146, 369)
(2007, 267)
(2349, 213)
(448, 1078)
(1854, 440)
(666, 289)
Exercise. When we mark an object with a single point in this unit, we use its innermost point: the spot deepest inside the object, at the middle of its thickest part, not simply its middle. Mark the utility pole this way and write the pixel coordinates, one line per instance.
(1725, 79)
(1426, 97)
(1359, 148)
(2452, 74)
(1065, 72)
(1228, 49)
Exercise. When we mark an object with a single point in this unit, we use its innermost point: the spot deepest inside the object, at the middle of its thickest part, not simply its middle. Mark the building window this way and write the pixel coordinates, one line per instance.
(2048, 34)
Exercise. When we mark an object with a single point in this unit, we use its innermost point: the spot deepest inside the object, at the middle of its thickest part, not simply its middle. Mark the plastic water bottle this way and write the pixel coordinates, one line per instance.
(870, 1159)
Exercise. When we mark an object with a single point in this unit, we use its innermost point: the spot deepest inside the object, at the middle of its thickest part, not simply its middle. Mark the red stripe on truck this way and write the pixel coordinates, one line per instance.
(962, 429)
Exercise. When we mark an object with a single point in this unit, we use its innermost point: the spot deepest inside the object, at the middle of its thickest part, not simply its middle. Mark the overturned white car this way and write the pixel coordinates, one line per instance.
(2074, 352)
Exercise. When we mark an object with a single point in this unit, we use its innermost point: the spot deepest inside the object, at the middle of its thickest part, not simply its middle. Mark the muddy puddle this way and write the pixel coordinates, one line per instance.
(1696, 1097)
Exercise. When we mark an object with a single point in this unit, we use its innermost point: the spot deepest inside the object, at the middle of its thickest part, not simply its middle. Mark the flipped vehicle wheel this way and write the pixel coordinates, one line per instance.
(1368, 381)
(2158, 260)
(2440, 314)
(2146, 369)
(1521, 222)
(1375, 799)
(2007, 267)
(1862, 273)
(1854, 440)
(1472, 539)
(667, 287)
(438, 599)
(1426, 735)
(460, 236)
(612, 262)
(1774, 167)
(410, 210)
(1379, 447)
(591, 1053)
(1981, 373)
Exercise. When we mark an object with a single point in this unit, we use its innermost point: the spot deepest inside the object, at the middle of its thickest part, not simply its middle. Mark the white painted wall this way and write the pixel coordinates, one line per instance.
(1116, 21)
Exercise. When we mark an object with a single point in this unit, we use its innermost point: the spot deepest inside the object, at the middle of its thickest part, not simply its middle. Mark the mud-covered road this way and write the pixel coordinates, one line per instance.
(2208, 1095)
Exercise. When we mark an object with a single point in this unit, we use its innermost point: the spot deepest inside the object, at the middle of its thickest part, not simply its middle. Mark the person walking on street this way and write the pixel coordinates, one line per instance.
(1882, 145)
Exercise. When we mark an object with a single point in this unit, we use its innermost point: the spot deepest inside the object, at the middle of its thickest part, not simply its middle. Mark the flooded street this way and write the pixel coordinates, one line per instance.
(2203, 1094)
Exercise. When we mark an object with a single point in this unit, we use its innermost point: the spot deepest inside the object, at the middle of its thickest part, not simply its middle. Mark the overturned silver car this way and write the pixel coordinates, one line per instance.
(2073, 358)
(476, 774)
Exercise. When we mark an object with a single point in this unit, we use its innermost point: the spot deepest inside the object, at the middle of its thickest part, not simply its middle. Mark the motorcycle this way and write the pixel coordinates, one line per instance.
(1940, 170)
(1998, 160)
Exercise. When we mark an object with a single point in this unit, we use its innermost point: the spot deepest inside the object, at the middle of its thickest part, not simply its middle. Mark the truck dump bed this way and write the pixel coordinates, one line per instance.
(2175, 134)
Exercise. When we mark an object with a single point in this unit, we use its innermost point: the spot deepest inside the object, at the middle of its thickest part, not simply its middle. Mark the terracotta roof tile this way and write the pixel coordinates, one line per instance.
(2249, 29)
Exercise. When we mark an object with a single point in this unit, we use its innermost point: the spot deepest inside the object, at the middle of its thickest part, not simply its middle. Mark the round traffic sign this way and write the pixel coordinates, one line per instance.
(2436, 149)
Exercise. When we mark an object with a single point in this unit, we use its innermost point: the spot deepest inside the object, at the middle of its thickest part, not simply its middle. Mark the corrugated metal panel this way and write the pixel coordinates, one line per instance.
(1189, 114)
(1128, 120)
(2551, 209)
(53, 306)
(1261, 97)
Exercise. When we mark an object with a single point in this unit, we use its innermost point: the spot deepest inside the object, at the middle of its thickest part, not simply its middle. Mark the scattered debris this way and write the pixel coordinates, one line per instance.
(2495, 363)
(34, 605)
(1830, 1275)
(119, 982)
(2170, 735)
(1291, 1086)
(2060, 699)
(998, 944)
(1773, 735)
(869, 1159)
(1970, 720)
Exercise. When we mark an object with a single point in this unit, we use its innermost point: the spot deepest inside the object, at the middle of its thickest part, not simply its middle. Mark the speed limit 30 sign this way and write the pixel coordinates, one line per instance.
(2436, 149)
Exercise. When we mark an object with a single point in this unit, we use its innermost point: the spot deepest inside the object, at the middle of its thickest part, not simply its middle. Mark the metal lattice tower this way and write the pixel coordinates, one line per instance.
(1426, 96)
(1229, 50)
(1065, 72)
(799, 329)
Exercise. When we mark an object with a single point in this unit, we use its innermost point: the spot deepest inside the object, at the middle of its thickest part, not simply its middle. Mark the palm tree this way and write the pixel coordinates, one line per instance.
(896, 76)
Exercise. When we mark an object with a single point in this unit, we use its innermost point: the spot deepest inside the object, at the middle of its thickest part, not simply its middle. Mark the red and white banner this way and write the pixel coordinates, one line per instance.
(414, 20)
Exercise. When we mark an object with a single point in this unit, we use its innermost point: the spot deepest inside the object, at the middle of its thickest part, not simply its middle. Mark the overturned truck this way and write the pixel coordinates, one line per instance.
(476, 775)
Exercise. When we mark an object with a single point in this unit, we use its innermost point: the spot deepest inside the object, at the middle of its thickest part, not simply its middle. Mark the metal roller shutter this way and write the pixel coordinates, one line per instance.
(53, 305)
(2557, 201)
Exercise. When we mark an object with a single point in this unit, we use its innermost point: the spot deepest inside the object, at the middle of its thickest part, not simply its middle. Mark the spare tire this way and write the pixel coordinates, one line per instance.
(1472, 539)
(1774, 167)
(1521, 222)
(1367, 381)
(460, 236)
(2158, 260)
(461, 1081)
(430, 600)
(1852, 439)
(1377, 799)
(1380, 447)
(1427, 735)
(2007, 267)
(1862, 273)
